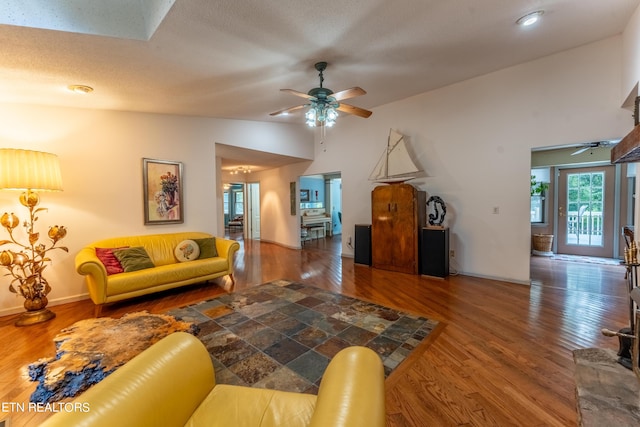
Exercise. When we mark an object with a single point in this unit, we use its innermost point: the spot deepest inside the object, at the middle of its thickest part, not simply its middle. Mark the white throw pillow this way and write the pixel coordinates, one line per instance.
(187, 250)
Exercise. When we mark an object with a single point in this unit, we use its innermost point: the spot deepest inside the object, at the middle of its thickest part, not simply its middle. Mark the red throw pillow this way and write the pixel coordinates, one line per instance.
(111, 263)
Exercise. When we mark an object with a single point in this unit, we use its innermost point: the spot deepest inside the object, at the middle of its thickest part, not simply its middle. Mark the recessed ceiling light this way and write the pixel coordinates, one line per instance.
(84, 89)
(530, 18)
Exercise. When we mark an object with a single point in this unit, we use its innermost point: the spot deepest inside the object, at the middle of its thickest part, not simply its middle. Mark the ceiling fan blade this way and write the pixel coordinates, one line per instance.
(287, 110)
(297, 93)
(349, 93)
(356, 111)
(582, 150)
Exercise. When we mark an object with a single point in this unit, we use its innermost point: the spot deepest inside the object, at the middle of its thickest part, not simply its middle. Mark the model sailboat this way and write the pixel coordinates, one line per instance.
(395, 164)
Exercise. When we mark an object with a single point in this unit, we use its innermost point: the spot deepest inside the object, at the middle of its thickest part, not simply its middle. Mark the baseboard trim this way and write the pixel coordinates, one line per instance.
(280, 244)
(498, 279)
(52, 303)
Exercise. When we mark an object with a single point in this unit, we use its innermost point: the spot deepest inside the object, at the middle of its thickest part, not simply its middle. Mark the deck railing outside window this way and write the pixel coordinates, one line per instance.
(584, 228)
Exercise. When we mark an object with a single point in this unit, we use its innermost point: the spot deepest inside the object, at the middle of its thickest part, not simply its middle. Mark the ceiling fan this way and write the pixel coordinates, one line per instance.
(591, 146)
(324, 103)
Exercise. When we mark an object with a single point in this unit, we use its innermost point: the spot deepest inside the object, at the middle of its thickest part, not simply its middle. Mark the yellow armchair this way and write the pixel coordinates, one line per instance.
(172, 383)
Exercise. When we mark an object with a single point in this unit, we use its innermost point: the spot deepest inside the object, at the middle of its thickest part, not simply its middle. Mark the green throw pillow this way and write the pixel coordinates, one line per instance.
(133, 259)
(207, 247)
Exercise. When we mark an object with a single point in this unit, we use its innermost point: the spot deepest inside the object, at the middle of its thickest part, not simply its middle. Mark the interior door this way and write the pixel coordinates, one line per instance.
(253, 210)
(586, 211)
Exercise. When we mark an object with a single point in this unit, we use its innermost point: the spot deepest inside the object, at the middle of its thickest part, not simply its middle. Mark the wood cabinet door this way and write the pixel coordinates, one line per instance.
(405, 248)
(382, 227)
(394, 238)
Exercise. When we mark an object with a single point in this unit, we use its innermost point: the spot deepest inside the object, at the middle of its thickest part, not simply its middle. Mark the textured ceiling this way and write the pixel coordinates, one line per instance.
(229, 58)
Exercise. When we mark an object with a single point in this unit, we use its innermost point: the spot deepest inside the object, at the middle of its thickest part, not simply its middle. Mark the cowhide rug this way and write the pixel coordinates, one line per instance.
(89, 350)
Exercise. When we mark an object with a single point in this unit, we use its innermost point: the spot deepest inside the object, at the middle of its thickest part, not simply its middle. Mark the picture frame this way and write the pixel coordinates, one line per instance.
(304, 195)
(292, 197)
(162, 187)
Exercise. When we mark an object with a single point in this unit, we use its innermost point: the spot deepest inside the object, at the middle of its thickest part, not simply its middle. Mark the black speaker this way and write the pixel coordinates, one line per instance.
(363, 244)
(434, 252)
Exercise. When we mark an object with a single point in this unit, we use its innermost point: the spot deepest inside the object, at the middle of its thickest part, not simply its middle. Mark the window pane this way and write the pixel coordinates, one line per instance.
(536, 208)
(585, 202)
(239, 205)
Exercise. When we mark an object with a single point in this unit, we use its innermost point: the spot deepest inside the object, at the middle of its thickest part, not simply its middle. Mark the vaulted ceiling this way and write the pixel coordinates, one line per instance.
(229, 58)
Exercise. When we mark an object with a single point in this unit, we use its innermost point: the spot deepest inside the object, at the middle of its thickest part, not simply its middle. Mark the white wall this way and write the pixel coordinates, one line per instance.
(631, 58)
(277, 223)
(101, 158)
(474, 140)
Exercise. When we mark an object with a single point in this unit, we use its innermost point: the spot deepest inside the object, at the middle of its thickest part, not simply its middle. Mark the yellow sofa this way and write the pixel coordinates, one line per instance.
(172, 383)
(167, 272)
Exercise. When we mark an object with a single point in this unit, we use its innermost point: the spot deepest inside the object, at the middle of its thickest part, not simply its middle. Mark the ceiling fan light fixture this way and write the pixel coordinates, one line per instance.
(331, 117)
(323, 104)
(530, 18)
(322, 112)
(310, 115)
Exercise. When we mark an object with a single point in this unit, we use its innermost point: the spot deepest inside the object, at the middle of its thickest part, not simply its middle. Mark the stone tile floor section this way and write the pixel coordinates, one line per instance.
(281, 335)
(608, 394)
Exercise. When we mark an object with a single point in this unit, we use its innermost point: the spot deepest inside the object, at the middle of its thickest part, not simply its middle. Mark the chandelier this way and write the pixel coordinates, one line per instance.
(241, 169)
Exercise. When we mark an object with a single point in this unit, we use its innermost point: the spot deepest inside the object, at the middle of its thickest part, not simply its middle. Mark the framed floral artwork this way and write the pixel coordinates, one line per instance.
(162, 184)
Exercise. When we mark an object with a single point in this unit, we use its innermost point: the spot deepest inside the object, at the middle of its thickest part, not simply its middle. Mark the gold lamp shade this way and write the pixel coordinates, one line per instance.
(29, 170)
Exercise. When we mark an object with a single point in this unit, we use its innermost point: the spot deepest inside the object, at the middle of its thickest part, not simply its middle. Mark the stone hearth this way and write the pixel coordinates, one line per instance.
(608, 394)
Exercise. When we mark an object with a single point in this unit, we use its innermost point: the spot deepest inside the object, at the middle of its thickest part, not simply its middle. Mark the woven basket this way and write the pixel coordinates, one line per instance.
(542, 242)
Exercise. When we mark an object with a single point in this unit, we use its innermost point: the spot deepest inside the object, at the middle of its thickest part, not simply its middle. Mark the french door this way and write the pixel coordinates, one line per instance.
(586, 211)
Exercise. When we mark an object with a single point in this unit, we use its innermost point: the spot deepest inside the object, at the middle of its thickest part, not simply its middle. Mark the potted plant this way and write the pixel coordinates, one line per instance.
(538, 187)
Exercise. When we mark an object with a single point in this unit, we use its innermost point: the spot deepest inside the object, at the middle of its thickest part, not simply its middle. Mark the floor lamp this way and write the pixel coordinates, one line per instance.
(29, 171)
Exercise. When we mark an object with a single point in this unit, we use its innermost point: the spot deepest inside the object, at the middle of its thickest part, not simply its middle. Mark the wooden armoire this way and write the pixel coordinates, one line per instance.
(398, 213)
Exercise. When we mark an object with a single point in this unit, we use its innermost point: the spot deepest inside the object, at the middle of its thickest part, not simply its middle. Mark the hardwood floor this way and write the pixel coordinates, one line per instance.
(502, 355)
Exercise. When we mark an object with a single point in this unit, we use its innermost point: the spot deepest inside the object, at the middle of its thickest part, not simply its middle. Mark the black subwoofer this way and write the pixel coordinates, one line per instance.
(362, 249)
(434, 252)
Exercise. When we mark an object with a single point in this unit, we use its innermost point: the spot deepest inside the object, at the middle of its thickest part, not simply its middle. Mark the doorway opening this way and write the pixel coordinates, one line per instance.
(233, 207)
(585, 201)
(241, 203)
(320, 207)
